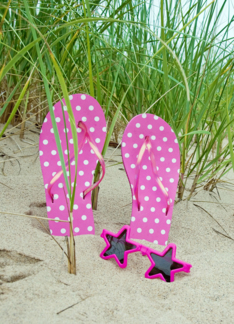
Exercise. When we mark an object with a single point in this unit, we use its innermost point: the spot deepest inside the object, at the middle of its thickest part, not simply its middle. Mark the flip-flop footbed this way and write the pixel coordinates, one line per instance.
(86, 109)
(150, 222)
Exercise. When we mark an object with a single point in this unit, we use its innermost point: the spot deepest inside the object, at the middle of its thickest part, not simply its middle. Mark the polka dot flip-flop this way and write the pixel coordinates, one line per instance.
(91, 132)
(151, 158)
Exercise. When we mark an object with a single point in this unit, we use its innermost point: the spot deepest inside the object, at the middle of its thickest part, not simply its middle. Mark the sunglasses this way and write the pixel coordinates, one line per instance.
(164, 264)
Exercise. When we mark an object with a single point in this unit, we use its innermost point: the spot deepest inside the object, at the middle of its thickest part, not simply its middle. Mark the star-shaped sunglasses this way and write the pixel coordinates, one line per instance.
(164, 264)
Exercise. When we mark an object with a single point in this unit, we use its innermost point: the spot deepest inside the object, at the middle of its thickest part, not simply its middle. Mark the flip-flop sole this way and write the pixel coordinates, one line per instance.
(150, 222)
(86, 109)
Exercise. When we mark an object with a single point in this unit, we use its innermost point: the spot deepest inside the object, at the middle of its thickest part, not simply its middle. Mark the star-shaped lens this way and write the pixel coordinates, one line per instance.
(118, 248)
(164, 265)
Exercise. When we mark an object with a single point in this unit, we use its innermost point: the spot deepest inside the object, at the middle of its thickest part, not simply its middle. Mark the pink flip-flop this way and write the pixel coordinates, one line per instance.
(91, 132)
(151, 158)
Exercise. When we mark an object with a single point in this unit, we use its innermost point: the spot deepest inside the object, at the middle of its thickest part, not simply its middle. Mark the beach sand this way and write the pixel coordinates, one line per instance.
(35, 286)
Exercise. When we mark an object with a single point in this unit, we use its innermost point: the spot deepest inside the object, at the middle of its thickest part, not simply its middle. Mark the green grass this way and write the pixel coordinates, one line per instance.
(175, 63)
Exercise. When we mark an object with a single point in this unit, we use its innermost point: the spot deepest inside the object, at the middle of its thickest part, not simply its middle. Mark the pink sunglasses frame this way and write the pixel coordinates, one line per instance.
(144, 251)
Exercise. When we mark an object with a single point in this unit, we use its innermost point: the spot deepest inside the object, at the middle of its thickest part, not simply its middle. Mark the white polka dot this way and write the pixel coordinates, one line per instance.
(61, 207)
(78, 108)
(141, 136)
(158, 199)
(152, 209)
(60, 185)
(63, 231)
(83, 217)
(96, 119)
(148, 177)
(75, 207)
(162, 159)
(176, 141)
(135, 145)
(153, 137)
(149, 126)
(66, 152)
(178, 170)
(146, 198)
(156, 220)
(84, 119)
(73, 163)
(53, 174)
(71, 141)
(155, 242)
(163, 232)
(87, 184)
(45, 142)
(123, 144)
(104, 129)
(151, 231)
(70, 97)
(138, 125)
(91, 108)
(45, 120)
(132, 166)
(134, 198)
(81, 151)
(164, 139)
(86, 162)
(159, 148)
(52, 130)
(164, 210)
(170, 149)
(48, 208)
(90, 228)
(81, 173)
(161, 128)
(144, 115)
(46, 164)
(97, 140)
(161, 178)
(53, 152)
(154, 188)
(145, 219)
(53, 107)
(81, 194)
(57, 218)
(57, 119)
(46, 186)
(171, 180)
(144, 167)
(88, 206)
(83, 97)
(142, 187)
(139, 230)
(168, 221)
(155, 117)
(92, 152)
(64, 108)
(66, 130)
(76, 229)
(56, 196)
(133, 219)
(129, 135)
(92, 129)
(142, 208)
(173, 160)
(40, 153)
(126, 155)
(166, 189)
(79, 130)
(168, 169)
(51, 231)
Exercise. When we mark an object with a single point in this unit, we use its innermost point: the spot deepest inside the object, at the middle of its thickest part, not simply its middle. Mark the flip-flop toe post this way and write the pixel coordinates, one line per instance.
(91, 133)
(151, 158)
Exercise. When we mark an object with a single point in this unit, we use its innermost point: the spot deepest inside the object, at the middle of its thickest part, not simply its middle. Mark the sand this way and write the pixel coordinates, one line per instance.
(36, 288)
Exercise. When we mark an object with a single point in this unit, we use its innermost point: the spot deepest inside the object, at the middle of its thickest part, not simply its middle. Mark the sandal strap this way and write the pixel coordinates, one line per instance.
(87, 137)
(148, 145)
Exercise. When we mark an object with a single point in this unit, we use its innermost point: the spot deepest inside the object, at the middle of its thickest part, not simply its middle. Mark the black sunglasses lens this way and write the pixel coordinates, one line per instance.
(118, 246)
(164, 265)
